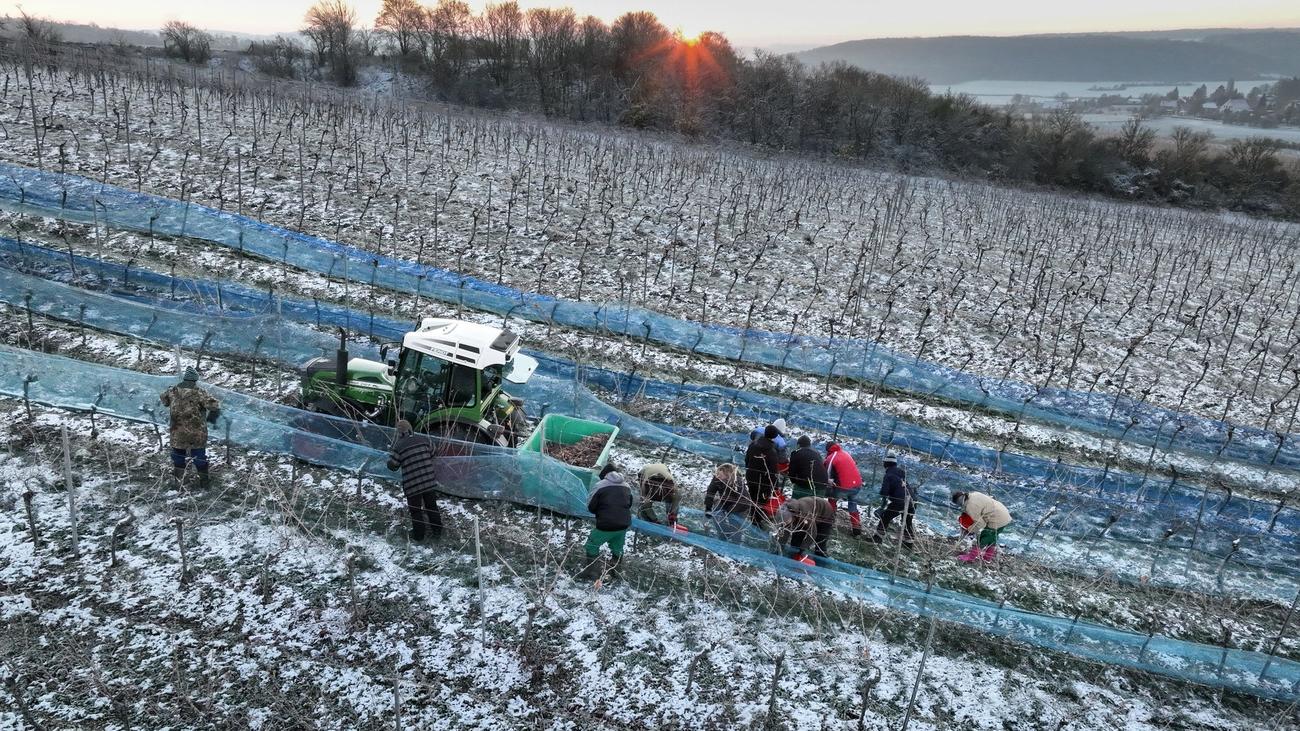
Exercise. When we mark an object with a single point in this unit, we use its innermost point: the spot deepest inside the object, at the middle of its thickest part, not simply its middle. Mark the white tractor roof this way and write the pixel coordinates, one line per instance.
(467, 343)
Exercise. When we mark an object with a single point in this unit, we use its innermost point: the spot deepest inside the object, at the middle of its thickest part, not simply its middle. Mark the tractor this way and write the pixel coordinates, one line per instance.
(446, 379)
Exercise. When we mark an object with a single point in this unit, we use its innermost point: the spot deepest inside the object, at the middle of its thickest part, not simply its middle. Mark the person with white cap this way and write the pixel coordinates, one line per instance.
(781, 431)
(900, 500)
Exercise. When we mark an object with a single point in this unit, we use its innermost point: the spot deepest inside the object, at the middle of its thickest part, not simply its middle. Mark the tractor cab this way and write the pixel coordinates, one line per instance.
(447, 379)
(453, 372)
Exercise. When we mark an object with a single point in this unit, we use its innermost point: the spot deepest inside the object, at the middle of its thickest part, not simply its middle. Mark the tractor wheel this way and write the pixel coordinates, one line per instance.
(456, 439)
(456, 444)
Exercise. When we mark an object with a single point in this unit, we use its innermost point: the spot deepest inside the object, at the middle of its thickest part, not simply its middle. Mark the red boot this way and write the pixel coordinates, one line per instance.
(974, 554)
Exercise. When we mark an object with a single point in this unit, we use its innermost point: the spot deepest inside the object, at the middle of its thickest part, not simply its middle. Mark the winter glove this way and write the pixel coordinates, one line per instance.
(212, 416)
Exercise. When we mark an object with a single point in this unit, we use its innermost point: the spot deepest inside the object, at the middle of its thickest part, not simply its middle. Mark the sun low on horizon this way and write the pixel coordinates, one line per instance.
(743, 22)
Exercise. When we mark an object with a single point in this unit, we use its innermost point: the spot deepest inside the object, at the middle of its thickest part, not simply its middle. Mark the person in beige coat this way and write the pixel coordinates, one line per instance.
(658, 486)
(985, 518)
(805, 519)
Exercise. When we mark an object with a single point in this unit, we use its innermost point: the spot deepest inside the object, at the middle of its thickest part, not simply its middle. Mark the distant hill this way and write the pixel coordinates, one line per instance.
(1166, 56)
(91, 33)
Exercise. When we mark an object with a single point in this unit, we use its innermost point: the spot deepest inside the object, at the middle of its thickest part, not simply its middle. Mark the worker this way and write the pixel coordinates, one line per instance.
(611, 503)
(987, 517)
(782, 458)
(191, 409)
(845, 482)
(658, 485)
(807, 472)
(762, 471)
(779, 440)
(413, 454)
(727, 502)
(900, 499)
(782, 446)
(805, 519)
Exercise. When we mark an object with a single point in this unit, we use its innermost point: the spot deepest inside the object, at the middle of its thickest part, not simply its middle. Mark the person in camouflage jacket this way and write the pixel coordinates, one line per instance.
(191, 409)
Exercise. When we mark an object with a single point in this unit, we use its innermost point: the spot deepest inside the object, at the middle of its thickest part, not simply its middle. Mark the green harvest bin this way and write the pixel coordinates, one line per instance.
(561, 429)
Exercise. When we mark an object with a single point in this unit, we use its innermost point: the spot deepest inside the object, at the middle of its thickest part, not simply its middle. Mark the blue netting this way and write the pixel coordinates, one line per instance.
(1105, 492)
(533, 479)
(79, 199)
(1209, 558)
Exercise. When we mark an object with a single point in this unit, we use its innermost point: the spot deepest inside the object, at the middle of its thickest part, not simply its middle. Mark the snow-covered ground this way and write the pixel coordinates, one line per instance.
(272, 629)
(302, 605)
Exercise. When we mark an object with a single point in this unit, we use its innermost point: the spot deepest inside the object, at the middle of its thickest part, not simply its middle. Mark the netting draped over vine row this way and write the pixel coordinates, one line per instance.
(537, 480)
(82, 200)
(1104, 489)
(245, 325)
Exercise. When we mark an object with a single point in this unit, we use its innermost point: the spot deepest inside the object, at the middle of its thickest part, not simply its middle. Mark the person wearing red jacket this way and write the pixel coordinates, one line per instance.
(846, 482)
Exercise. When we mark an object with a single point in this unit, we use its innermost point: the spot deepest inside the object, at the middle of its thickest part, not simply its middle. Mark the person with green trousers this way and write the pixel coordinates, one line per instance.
(611, 503)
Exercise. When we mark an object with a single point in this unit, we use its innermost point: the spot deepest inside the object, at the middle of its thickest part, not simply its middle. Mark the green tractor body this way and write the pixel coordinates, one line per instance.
(448, 380)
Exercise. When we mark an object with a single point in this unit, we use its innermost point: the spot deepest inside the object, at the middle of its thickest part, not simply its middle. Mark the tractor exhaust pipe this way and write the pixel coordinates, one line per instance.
(341, 360)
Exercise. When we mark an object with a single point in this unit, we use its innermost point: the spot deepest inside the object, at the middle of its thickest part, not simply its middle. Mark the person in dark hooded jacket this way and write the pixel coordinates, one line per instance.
(611, 503)
(413, 455)
(727, 502)
(762, 471)
(900, 500)
(808, 477)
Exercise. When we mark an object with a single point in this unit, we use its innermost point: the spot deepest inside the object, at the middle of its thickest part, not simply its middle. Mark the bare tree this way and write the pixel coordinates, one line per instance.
(1186, 160)
(553, 35)
(1134, 142)
(277, 57)
(38, 33)
(400, 21)
(331, 26)
(444, 36)
(502, 33)
(1059, 144)
(184, 41)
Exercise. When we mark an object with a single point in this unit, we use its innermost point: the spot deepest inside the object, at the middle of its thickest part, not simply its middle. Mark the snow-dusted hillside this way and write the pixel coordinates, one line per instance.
(304, 605)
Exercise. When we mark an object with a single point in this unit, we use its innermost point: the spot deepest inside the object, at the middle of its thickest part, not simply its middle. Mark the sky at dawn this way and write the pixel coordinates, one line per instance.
(746, 22)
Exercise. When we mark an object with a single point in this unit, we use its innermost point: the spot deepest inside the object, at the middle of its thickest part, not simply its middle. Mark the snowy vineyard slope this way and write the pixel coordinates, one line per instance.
(1217, 540)
(532, 479)
(86, 201)
(286, 210)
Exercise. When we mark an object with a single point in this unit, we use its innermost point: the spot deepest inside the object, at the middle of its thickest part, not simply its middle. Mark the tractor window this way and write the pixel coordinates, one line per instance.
(491, 380)
(463, 391)
(425, 389)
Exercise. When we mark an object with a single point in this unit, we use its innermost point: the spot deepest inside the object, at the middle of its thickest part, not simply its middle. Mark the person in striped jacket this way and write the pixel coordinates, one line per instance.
(413, 455)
